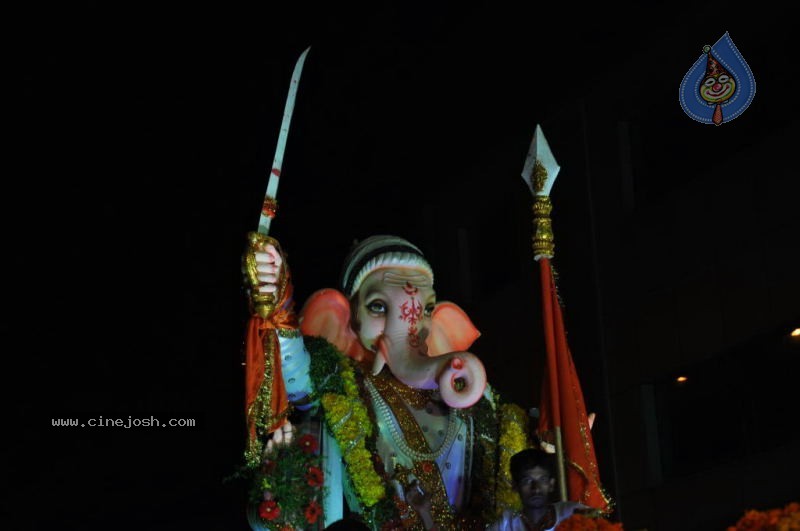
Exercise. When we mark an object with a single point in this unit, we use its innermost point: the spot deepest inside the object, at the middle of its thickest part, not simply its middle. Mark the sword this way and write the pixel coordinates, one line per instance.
(266, 402)
(270, 205)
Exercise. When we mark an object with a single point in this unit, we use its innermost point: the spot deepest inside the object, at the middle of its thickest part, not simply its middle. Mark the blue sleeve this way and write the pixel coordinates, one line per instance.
(295, 364)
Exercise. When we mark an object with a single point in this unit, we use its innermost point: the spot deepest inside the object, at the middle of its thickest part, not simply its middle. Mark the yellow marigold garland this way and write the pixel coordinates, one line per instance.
(486, 435)
(513, 439)
(350, 425)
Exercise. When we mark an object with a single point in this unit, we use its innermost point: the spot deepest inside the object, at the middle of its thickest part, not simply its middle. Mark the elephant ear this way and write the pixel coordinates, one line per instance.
(327, 314)
(452, 330)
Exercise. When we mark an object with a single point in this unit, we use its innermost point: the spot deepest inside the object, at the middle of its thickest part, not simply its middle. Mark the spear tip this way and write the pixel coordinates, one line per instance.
(540, 169)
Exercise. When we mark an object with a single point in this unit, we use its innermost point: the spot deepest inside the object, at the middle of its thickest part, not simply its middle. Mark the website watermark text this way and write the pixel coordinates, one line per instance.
(123, 422)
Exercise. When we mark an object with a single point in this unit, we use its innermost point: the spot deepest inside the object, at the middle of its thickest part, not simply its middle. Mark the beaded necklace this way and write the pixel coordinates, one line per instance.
(384, 413)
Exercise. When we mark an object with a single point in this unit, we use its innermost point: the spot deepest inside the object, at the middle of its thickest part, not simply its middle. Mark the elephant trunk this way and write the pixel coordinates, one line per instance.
(459, 376)
(463, 379)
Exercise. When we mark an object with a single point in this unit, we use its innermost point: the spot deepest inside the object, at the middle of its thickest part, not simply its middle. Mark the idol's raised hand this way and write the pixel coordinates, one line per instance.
(264, 270)
(268, 267)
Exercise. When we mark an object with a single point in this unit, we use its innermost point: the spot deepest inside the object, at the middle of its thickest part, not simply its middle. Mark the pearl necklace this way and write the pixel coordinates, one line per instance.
(385, 414)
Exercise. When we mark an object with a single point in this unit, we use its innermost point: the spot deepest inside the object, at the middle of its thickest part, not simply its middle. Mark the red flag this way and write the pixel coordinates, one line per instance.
(563, 405)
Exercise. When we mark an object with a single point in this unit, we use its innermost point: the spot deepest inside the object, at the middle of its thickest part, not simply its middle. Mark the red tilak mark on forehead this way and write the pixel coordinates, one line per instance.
(412, 313)
(409, 289)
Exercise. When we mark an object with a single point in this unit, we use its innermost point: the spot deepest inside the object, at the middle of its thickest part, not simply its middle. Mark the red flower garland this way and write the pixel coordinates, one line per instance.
(287, 485)
(269, 510)
(308, 443)
(579, 522)
(773, 519)
(314, 476)
(313, 511)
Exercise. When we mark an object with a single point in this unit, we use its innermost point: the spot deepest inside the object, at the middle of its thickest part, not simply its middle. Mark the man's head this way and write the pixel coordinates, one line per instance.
(533, 472)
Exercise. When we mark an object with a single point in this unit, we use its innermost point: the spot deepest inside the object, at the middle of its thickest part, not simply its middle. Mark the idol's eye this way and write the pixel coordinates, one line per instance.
(376, 307)
(708, 82)
(723, 78)
(429, 309)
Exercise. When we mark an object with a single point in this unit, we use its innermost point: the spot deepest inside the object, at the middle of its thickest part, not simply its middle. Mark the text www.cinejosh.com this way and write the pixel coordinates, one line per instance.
(117, 422)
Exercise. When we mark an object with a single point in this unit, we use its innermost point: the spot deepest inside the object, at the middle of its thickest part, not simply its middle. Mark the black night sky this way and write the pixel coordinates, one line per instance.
(141, 142)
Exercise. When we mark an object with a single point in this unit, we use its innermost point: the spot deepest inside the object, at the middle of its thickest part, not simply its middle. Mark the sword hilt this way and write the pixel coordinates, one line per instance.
(263, 303)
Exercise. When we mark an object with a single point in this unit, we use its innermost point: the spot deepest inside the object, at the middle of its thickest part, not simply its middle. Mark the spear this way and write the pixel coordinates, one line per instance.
(539, 173)
(566, 415)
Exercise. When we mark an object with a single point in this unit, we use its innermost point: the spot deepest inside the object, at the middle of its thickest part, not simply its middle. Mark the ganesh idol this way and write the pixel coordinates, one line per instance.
(374, 380)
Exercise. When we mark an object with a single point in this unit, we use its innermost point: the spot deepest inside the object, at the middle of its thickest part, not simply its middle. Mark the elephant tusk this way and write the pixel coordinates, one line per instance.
(381, 349)
(377, 365)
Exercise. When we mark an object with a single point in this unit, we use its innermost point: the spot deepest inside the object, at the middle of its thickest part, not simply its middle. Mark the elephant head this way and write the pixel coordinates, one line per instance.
(392, 319)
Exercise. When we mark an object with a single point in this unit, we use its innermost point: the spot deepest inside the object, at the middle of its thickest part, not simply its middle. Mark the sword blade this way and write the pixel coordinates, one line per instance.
(275, 172)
